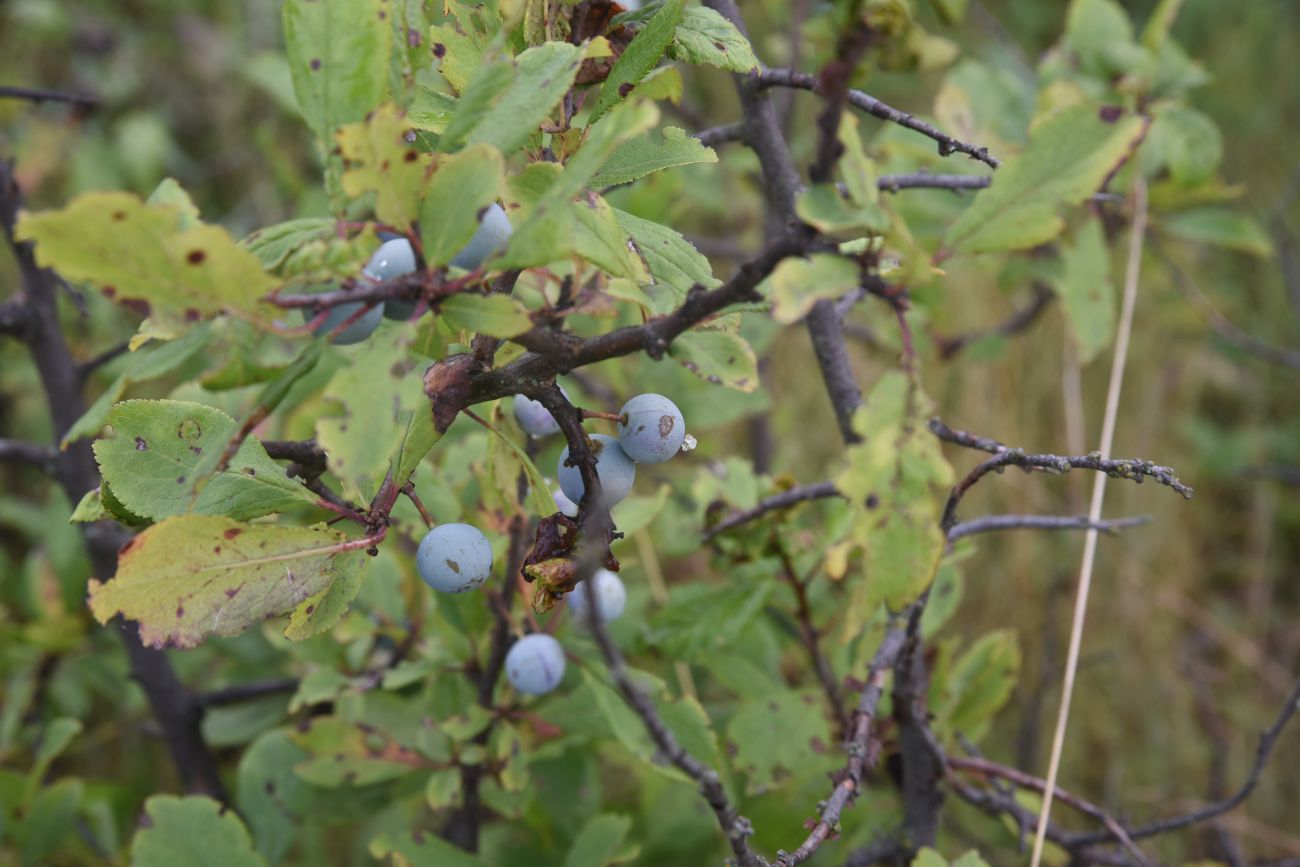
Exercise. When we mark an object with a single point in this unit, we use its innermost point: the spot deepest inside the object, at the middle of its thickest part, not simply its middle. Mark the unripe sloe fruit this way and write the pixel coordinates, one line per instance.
(611, 597)
(615, 469)
(492, 233)
(654, 429)
(394, 258)
(454, 558)
(535, 419)
(535, 664)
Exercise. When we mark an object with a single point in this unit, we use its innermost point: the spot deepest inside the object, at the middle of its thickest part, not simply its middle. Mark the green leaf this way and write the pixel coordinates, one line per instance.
(54, 740)
(927, 857)
(407, 849)
(978, 685)
(542, 76)
(1186, 142)
(459, 52)
(702, 619)
(704, 36)
(493, 315)
(600, 240)
(348, 754)
(718, 357)
(194, 576)
(194, 830)
(636, 512)
(542, 504)
(546, 231)
(1069, 155)
(1220, 227)
(686, 719)
(797, 284)
(270, 795)
(896, 482)
(379, 393)
(1086, 290)
(673, 262)
(489, 82)
(146, 363)
(858, 169)
(777, 736)
(1158, 25)
(640, 56)
(170, 192)
(379, 159)
(338, 56)
(463, 184)
(599, 841)
(90, 509)
(273, 244)
(1101, 36)
(420, 438)
(50, 819)
(650, 152)
(825, 209)
(152, 463)
(142, 257)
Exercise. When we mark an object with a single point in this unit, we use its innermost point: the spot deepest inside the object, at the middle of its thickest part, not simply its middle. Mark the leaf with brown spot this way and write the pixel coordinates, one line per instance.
(175, 578)
(174, 271)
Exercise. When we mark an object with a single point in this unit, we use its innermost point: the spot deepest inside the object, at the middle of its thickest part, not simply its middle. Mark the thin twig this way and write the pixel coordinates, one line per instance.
(1122, 468)
(863, 747)
(811, 638)
(995, 523)
(1221, 325)
(716, 135)
(947, 144)
(1264, 749)
(930, 181)
(1109, 419)
(13, 318)
(783, 500)
(242, 692)
(1028, 781)
(86, 368)
(36, 94)
(1017, 322)
(409, 490)
(33, 454)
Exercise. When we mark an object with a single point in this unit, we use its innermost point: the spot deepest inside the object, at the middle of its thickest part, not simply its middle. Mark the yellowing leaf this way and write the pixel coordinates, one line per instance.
(1069, 155)
(718, 357)
(195, 576)
(797, 284)
(600, 240)
(377, 392)
(139, 256)
(379, 159)
(896, 482)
